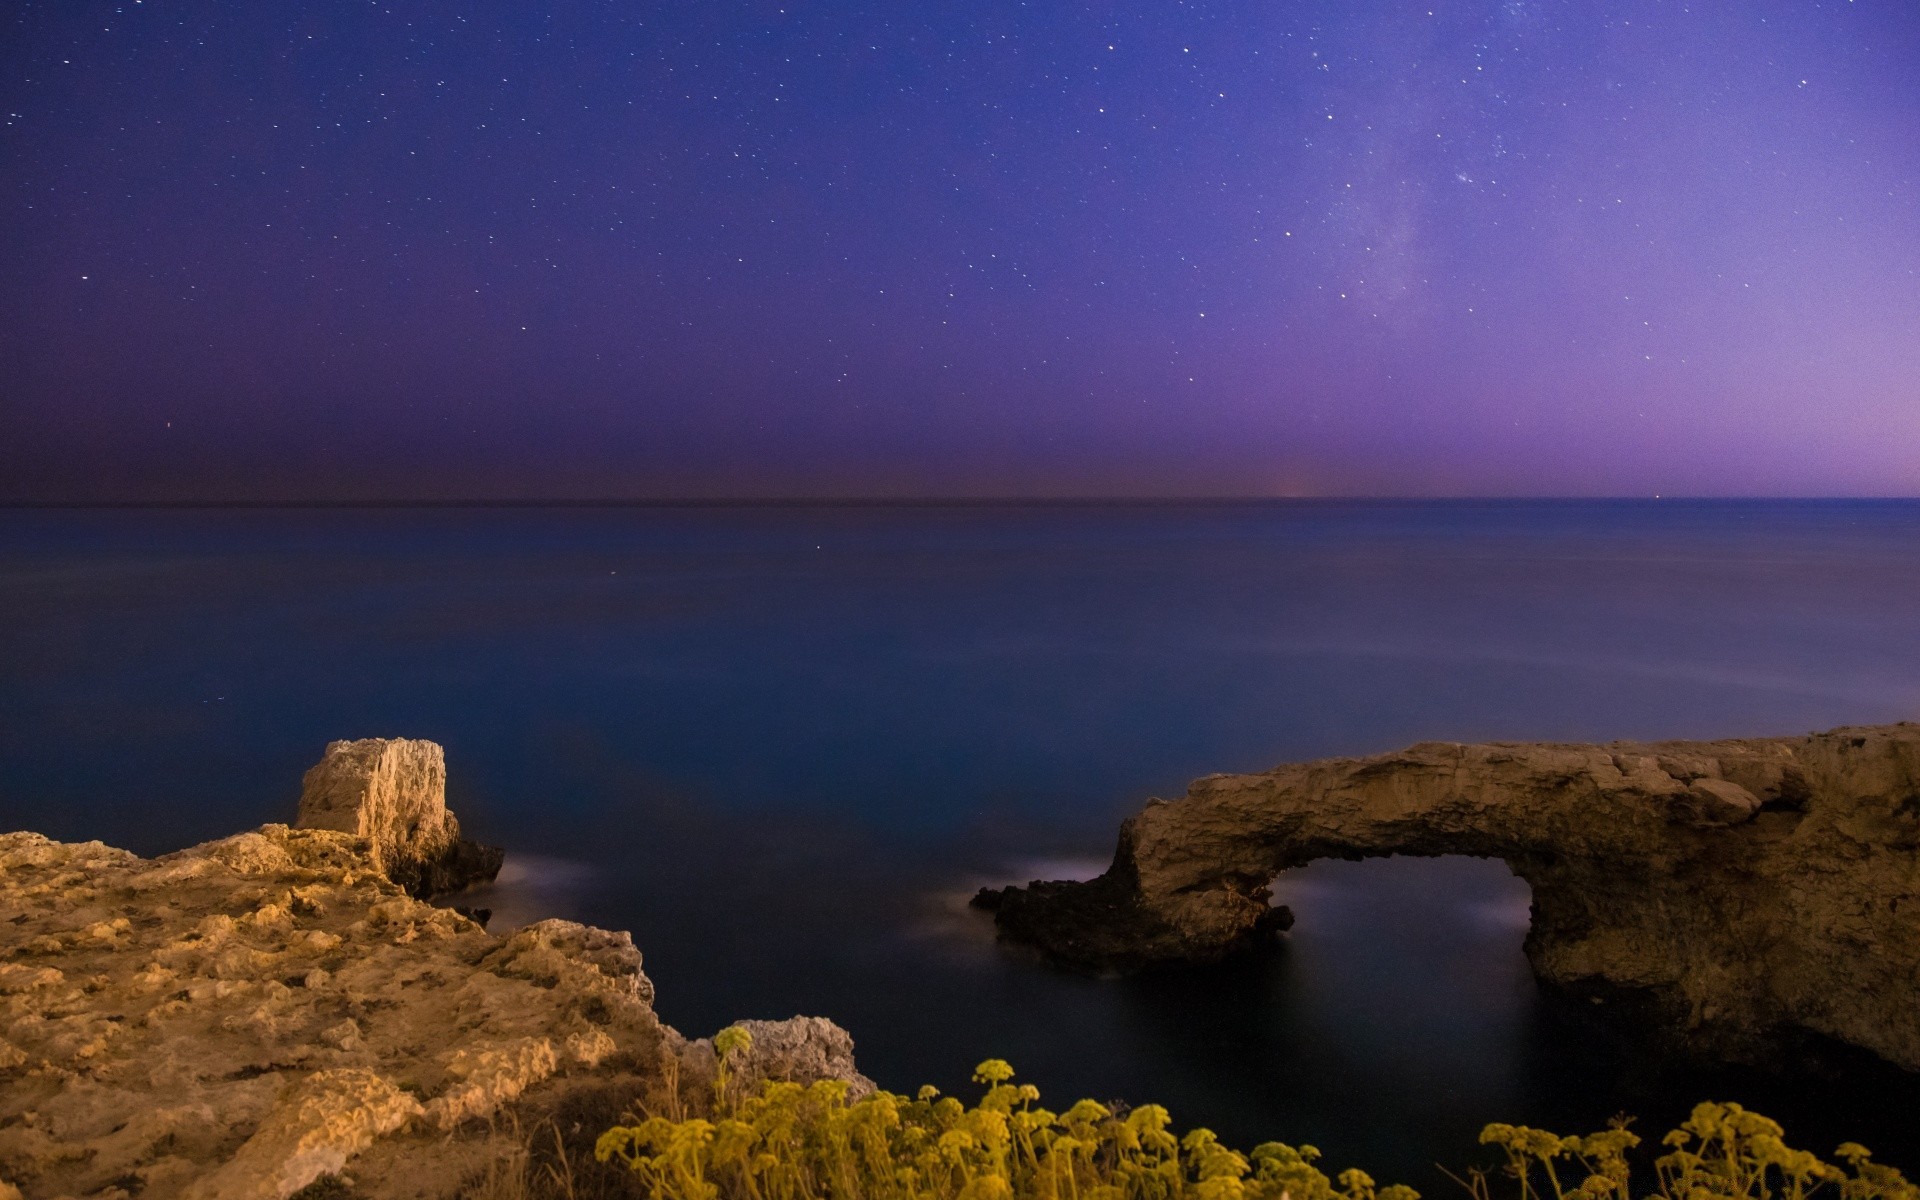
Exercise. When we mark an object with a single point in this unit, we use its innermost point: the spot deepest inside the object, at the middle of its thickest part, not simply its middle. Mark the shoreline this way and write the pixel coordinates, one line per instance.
(246, 1016)
(255, 1013)
(243, 1017)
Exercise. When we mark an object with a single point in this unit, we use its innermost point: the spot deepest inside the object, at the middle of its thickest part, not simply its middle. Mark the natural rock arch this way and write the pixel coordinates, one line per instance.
(1744, 889)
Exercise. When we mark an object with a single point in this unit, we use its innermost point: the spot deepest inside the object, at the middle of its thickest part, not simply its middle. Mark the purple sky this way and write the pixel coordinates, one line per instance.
(276, 250)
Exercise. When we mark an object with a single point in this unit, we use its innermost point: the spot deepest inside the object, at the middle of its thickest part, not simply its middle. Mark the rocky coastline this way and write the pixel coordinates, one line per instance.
(243, 1018)
(288, 1009)
(1736, 897)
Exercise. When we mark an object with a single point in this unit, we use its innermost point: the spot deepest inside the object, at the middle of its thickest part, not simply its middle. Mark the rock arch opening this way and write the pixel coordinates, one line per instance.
(1416, 962)
(1738, 889)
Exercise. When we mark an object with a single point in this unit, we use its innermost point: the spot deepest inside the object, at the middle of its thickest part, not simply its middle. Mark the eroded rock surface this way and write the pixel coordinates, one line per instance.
(1737, 890)
(796, 1048)
(393, 792)
(241, 1018)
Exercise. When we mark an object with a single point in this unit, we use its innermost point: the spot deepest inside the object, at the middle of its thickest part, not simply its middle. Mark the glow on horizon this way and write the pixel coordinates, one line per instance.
(1504, 248)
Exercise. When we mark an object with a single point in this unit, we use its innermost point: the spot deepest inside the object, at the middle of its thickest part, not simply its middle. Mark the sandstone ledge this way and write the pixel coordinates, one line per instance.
(243, 1017)
(1738, 892)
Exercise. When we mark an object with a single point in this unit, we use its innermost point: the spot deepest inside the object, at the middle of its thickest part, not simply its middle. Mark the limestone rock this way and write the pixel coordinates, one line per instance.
(1739, 891)
(488, 1077)
(552, 952)
(241, 1017)
(796, 1050)
(393, 792)
(1720, 802)
(320, 1123)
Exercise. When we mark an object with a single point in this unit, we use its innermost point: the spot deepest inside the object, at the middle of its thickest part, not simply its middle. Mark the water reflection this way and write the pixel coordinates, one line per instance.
(529, 888)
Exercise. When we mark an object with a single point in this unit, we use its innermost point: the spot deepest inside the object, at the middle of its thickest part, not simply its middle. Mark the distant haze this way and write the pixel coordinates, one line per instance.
(431, 251)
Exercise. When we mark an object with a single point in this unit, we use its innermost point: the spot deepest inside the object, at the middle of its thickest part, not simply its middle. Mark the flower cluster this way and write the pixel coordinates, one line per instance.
(790, 1142)
(1721, 1152)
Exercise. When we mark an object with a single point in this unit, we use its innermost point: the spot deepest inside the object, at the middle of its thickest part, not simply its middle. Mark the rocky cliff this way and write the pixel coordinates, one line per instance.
(393, 793)
(1736, 892)
(243, 1017)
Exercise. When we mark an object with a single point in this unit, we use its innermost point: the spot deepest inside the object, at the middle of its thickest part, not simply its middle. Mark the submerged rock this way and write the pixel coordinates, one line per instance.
(393, 792)
(1738, 892)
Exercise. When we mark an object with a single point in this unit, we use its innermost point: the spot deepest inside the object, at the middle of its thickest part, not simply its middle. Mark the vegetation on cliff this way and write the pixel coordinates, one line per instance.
(785, 1141)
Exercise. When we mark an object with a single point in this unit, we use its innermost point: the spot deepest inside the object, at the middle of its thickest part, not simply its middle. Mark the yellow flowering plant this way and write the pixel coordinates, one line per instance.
(793, 1142)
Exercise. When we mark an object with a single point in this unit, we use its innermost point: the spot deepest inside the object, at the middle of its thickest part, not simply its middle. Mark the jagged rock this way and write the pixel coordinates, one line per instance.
(1738, 891)
(393, 792)
(546, 951)
(322, 1121)
(246, 1016)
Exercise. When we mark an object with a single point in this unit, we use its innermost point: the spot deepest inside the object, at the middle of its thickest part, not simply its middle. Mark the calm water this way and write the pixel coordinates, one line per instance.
(783, 745)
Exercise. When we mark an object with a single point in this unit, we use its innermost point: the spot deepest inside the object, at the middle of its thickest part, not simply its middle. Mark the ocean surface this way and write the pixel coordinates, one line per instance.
(784, 745)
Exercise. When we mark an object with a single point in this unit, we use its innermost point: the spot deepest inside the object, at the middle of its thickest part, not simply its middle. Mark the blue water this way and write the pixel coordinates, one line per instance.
(783, 744)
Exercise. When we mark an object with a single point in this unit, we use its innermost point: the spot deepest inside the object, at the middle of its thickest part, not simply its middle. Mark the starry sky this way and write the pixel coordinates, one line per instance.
(367, 249)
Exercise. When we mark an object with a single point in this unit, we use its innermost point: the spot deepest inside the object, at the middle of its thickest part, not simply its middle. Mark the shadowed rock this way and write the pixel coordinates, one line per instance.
(393, 792)
(1737, 891)
(1105, 924)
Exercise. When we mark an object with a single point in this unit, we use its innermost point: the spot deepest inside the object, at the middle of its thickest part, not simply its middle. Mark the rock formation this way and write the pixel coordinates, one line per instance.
(796, 1048)
(393, 792)
(1736, 891)
(239, 1019)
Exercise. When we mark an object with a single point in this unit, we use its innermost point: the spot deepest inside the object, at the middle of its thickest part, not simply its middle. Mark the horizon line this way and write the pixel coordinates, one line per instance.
(936, 501)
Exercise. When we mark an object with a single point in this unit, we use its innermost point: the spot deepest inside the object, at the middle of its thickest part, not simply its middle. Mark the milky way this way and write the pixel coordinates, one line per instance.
(356, 250)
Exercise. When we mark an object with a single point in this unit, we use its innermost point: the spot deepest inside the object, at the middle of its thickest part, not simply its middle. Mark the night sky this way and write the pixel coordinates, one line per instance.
(322, 251)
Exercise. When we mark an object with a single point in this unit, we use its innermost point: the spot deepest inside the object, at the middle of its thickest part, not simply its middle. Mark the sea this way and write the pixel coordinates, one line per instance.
(784, 744)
